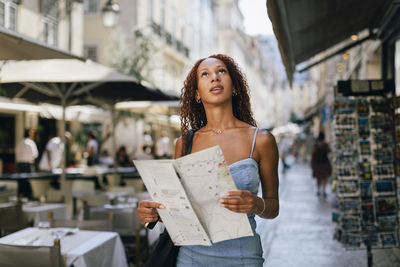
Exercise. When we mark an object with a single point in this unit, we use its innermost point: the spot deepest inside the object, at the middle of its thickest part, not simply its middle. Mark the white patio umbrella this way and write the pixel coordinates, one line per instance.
(68, 82)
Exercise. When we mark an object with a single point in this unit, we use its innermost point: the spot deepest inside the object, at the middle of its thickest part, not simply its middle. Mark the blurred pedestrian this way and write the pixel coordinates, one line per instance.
(53, 154)
(162, 147)
(147, 139)
(215, 104)
(122, 156)
(26, 153)
(92, 148)
(285, 144)
(320, 164)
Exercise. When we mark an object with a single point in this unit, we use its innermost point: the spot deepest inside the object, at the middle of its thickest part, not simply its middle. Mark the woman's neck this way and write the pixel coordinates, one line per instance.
(220, 117)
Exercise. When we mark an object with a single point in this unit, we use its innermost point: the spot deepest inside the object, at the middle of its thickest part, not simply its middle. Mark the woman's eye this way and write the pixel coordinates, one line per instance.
(204, 74)
(222, 71)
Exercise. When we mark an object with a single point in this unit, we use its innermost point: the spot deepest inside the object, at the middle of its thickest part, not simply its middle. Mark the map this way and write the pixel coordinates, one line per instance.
(192, 213)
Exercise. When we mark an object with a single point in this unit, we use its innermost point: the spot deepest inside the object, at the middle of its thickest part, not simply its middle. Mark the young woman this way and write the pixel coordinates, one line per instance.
(215, 103)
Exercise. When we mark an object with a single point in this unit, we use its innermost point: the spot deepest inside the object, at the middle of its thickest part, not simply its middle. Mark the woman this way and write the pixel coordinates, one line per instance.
(215, 103)
(320, 164)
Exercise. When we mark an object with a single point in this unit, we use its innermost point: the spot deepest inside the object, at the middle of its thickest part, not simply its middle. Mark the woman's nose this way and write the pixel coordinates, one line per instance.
(215, 77)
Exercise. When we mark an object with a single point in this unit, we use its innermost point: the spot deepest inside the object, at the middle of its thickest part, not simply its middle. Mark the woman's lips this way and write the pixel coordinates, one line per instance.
(216, 89)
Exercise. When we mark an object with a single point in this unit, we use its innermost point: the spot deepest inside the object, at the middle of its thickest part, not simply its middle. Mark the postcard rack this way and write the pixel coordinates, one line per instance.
(366, 172)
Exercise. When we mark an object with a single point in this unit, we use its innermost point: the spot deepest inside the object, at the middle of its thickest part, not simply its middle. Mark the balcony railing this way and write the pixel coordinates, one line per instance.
(156, 28)
(176, 44)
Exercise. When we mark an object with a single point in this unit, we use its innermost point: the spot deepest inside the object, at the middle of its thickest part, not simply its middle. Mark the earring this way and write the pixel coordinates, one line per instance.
(234, 93)
(198, 100)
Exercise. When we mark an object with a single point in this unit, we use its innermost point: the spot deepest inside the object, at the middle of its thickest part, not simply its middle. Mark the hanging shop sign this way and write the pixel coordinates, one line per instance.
(364, 87)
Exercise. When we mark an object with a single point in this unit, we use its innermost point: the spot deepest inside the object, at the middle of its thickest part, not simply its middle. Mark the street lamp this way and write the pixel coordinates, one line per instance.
(110, 14)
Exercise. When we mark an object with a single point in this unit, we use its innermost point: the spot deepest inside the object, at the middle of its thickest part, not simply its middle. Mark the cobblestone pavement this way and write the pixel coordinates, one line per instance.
(302, 234)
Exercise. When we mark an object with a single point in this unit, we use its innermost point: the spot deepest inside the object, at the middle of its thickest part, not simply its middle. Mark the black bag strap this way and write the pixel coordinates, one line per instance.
(189, 141)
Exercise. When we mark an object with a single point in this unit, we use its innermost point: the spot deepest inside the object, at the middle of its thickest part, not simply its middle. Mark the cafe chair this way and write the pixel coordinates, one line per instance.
(7, 190)
(97, 200)
(121, 190)
(82, 187)
(33, 256)
(54, 196)
(113, 179)
(11, 218)
(92, 225)
(136, 184)
(142, 195)
(39, 188)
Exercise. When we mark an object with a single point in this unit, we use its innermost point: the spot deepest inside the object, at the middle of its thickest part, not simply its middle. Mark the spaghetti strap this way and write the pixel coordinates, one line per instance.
(254, 142)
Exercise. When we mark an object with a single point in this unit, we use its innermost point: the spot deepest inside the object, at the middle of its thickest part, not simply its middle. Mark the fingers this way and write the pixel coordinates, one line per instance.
(238, 193)
(238, 208)
(151, 204)
(147, 211)
(238, 201)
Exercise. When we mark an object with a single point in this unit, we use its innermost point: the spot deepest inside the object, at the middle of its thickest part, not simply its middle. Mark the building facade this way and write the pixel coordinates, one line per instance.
(54, 26)
(57, 23)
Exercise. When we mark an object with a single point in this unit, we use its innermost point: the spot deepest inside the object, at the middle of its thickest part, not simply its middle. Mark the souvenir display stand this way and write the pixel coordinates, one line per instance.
(365, 157)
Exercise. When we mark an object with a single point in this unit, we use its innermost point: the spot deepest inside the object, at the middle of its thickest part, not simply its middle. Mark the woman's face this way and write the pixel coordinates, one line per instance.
(214, 84)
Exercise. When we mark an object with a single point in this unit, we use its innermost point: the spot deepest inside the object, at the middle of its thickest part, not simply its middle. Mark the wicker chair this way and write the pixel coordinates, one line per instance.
(11, 218)
(34, 256)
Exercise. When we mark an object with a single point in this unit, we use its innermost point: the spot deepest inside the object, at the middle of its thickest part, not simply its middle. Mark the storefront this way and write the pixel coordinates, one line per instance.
(365, 111)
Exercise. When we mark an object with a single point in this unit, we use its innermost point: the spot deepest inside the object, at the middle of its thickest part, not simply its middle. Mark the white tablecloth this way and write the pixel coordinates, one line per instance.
(37, 212)
(82, 249)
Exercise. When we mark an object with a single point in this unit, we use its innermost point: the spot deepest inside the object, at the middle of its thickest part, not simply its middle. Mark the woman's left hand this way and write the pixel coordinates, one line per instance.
(241, 201)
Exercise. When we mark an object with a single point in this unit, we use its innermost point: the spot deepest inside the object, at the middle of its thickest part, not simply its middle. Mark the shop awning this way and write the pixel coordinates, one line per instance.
(305, 28)
(16, 46)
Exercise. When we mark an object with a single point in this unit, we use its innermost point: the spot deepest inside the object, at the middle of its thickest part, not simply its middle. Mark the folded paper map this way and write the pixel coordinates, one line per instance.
(190, 188)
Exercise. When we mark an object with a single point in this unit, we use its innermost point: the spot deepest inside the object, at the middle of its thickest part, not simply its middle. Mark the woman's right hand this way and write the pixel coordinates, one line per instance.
(147, 210)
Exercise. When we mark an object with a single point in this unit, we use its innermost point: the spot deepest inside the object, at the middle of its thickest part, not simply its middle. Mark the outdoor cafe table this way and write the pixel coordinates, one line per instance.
(74, 174)
(126, 219)
(48, 176)
(80, 249)
(36, 212)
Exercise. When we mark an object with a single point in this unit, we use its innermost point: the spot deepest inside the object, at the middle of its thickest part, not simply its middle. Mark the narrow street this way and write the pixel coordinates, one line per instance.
(302, 234)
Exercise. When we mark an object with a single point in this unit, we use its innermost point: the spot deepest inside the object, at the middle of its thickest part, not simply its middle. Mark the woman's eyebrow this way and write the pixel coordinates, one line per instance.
(218, 66)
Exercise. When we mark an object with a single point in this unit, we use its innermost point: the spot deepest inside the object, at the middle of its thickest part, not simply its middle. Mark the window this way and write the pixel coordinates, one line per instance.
(50, 31)
(150, 10)
(90, 52)
(162, 19)
(49, 10)
(173, 25)
(2, 14)
(91, 6)
(8, 14)
(13, 18)
(182, 28)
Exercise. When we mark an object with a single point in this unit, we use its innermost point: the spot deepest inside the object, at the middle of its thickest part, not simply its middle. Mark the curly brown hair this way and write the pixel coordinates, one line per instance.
(193, 114)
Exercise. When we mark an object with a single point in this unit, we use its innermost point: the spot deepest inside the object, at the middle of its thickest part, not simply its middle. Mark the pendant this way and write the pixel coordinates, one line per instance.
(217, 131)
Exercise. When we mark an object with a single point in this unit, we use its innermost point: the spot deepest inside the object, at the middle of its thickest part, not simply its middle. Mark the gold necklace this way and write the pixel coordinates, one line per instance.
(220, 131)
(217, 131)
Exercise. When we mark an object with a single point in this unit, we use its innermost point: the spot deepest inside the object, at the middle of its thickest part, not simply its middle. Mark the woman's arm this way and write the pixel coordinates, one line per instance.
(178, 148)
(266, 148)
(244, 201)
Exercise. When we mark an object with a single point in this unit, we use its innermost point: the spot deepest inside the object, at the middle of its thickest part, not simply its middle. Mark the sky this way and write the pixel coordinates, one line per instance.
(256, 20)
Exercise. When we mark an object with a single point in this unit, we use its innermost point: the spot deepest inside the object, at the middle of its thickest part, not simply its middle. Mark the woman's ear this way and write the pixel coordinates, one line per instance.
(198, 98)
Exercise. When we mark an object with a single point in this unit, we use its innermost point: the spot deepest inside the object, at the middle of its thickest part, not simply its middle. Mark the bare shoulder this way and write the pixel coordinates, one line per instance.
(265, 139)
(266, 146)
(178, 147)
